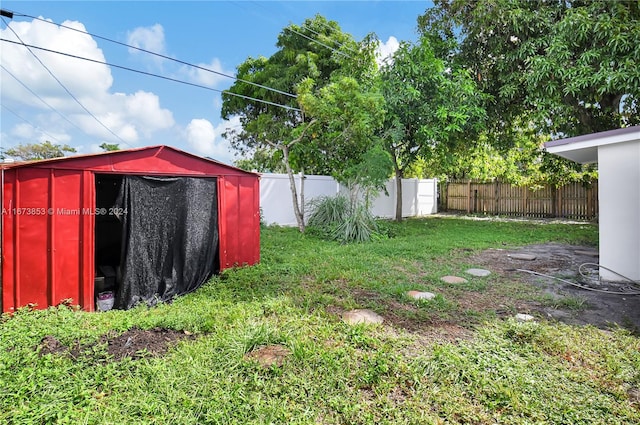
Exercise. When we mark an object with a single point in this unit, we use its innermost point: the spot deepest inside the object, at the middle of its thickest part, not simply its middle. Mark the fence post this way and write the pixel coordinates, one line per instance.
(468, 196)
(559, 198)
(496, 194)
(442, 195)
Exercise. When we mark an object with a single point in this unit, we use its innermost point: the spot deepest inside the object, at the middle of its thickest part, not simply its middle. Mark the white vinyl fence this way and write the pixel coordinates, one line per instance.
(419, 197)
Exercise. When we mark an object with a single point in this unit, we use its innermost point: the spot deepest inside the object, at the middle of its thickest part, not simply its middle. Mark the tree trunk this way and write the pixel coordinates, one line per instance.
(298, 212)
(399, 175)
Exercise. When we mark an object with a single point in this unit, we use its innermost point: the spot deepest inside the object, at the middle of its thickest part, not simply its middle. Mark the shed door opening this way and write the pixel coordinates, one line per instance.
(108, 232)
(169, 237)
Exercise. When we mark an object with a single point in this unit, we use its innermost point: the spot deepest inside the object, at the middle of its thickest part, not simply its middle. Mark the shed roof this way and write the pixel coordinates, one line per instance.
(159, 159)
(584, 149)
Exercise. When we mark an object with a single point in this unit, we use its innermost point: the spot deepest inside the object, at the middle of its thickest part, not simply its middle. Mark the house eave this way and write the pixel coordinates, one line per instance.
(584, 149)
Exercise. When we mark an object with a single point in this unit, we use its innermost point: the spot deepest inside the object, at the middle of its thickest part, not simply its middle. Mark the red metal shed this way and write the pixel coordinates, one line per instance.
(59, 221)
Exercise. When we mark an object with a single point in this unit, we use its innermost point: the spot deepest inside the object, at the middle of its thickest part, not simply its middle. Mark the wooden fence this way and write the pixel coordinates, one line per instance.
(574, 200)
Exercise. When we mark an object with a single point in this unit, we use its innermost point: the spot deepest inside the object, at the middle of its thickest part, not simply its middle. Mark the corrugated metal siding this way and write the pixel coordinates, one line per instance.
(49, 222)
(46, 225)
(239, 221)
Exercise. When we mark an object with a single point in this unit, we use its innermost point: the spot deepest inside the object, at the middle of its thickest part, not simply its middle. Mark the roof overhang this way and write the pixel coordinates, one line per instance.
(584, 149)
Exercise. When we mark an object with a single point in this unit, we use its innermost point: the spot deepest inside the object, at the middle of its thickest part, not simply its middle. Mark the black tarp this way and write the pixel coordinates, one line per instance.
(170, 237)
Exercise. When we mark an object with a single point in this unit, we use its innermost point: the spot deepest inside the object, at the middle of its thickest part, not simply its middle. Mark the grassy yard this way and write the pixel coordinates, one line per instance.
(459, 358)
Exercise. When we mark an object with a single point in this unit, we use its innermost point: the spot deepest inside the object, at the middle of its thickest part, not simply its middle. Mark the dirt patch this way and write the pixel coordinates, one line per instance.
(134, 343)
(137, 343)
(509, 290)
(409, 317)
(269, 355)
(565, 302)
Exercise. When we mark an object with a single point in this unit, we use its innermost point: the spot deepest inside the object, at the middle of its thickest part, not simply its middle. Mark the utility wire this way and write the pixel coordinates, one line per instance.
(316, 41)
(161, 56)
(40, 98)
(63, 86)
(258, 4)
(154, 75)
(30, 123)
(333, 40)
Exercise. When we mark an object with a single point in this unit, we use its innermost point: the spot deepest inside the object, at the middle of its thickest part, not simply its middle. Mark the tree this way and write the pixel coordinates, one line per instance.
(37, 151)
(316, 74)
(524, 164)
(348, 118)
(110, 147)
(430, 107)
(568, 67)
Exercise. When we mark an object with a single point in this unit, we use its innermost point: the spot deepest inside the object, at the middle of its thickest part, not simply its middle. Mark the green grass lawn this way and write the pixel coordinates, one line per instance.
(449, 360)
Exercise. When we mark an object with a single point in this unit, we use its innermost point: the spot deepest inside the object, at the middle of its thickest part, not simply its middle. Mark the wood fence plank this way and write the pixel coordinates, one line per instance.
(573, 200)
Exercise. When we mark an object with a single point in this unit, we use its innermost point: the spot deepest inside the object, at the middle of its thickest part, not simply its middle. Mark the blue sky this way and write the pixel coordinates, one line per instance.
(118, 106)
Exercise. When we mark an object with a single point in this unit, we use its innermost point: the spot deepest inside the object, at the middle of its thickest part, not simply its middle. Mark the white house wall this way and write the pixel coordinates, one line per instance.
(419, 197)
(619, 209)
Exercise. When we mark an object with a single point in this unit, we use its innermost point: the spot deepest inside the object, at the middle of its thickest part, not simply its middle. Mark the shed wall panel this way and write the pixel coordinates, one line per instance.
(65, 222)
(240, 222)
(43, 258)
(32, 237)
(7, 237)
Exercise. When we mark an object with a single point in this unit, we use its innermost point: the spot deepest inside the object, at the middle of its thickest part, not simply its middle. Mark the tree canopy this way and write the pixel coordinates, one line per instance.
(318, 109)
(37, 151)
(110, 147)
(571, 67)
(432, 108)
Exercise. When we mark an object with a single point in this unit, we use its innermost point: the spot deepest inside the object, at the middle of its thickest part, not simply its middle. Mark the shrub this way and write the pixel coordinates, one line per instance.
(336, 218)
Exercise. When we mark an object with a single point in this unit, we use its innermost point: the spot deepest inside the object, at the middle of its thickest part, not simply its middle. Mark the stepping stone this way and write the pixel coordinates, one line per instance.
(453, 279)
(521, 317)
(526, 257)
(355, 317)
(478, 272)
(417, 295)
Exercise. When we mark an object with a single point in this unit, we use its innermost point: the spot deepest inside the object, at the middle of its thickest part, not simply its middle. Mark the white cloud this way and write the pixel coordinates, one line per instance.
(144, 108)
(88, 149)
(24, 131)
(132, 117)
(82, 78)
(204, 76)
(386, 50)
(147, 38)
(207, 140)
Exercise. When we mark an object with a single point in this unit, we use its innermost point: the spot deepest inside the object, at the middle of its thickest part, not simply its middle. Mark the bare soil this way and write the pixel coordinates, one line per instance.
(269, 355)
(517, 286)
(573, 305)
(134, 343)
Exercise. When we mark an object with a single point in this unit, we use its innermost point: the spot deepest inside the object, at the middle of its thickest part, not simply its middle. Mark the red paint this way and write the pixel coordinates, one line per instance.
(48, 239)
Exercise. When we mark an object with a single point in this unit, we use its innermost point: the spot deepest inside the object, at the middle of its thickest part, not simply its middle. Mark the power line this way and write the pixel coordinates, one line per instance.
(64, 87)
(30, 123)
(333, 40)
(40, 98)
(153, 75)
(316, 41)
(310, 30)
(161, 56)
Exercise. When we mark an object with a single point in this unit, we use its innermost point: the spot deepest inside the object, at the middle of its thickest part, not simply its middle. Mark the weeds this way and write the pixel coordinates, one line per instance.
(509, 372)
